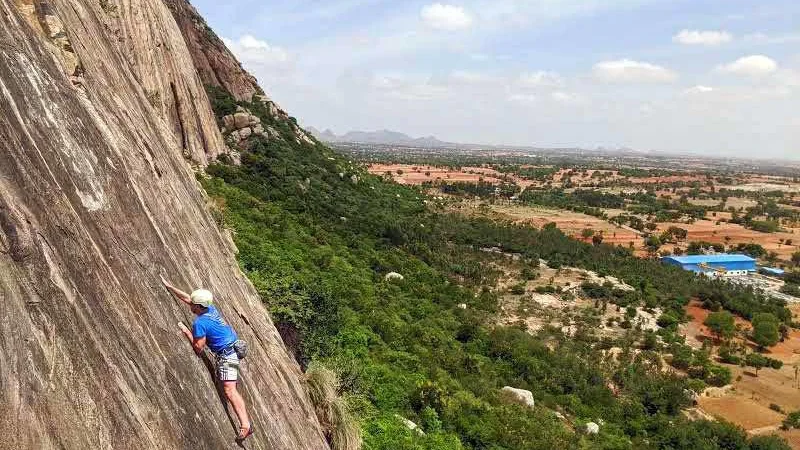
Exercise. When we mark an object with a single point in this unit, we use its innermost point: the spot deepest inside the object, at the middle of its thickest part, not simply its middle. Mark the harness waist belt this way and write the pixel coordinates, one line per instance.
(226, 351)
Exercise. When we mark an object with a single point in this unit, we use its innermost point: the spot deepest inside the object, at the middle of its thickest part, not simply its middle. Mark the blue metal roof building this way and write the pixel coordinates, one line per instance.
(725, 264)
(772, 271)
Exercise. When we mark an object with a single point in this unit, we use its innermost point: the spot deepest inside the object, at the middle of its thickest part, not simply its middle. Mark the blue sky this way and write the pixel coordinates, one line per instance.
(716, 77)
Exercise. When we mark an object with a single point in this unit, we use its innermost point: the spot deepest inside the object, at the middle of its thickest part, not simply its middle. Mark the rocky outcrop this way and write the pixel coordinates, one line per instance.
(215, 64)
(96, 200)
(240, 125)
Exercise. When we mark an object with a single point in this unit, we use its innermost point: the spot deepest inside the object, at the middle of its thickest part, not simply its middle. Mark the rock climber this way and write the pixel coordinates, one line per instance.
(210, 329)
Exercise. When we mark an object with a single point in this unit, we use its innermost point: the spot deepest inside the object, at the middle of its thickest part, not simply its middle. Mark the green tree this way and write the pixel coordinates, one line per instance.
(586, 233)
(796, 258)
(721, 323)
(766, 331)
(597, 239)
(756, 361)
(770, 442)
(652, 243)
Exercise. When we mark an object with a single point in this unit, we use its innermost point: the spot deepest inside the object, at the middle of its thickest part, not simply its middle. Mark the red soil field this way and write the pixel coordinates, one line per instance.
(709, 231)
(418, 174)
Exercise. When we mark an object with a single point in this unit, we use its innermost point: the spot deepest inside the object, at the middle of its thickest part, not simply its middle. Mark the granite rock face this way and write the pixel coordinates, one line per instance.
(215, 64)
(97, 200)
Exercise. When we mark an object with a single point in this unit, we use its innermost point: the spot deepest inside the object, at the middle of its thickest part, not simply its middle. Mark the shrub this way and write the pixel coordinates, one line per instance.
(222, 103)
(334, 415)
(549, 289)
(529, 274)
(792, 420)
(718, 376)
(727, 356)
(518, 289)
(774, 363)
(429, 420)
(771, 442)
(345, 433)
(667, 320)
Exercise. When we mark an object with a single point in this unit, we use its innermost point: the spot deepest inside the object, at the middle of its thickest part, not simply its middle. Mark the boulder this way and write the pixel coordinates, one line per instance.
(393, 276)
(523, 396)
(409, 424)
(241, 120)
(592, 428)
(54, 26)
(234, 137)
(462, 306)
(228, 121)
(254, 120)
(258, 130)
(245, 133)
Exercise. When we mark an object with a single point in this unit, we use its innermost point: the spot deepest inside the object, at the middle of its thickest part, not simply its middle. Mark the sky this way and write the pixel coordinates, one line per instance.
(716, 77)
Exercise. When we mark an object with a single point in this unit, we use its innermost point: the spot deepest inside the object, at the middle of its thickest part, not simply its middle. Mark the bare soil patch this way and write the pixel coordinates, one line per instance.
(571, 223)
(712, 231)
(418, 174)
(667, 179)
(740, 410)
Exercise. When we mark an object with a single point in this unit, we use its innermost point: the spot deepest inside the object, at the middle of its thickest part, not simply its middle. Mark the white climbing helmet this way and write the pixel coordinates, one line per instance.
(202, 297)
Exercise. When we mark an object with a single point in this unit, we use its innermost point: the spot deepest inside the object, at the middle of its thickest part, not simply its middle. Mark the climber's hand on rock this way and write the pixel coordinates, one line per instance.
(165, 282)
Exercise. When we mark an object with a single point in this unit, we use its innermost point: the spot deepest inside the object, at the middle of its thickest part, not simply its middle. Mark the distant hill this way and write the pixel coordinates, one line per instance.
(378, 137)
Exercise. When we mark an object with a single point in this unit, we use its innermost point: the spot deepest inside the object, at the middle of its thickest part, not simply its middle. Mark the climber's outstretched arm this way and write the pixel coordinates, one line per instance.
(179, 294)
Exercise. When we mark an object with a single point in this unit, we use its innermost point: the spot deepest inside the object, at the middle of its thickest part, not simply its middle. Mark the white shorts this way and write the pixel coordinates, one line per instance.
(228, 367)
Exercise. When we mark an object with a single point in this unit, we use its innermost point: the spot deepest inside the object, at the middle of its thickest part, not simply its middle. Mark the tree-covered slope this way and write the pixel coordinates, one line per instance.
(317, 237)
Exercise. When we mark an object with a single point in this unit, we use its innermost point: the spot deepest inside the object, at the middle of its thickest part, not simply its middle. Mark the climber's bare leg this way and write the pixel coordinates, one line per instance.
(238, 405)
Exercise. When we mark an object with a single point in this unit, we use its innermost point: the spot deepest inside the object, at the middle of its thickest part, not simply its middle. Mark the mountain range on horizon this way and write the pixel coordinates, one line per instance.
(377, 137)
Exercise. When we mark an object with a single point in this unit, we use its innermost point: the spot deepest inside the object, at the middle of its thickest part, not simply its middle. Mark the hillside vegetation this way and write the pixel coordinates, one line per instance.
(317, 236)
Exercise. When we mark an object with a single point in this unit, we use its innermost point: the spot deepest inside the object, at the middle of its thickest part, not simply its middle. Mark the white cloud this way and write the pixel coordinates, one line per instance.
(753, 65)
(479, 56)
(699, 89)
(696, 37)
(399, 87)
(467, 77)
(629, 71)
(522, 98)
(761, 38)
(445, 17)
(567, 98)
(789, 77)
(541, 79)
(248, 49)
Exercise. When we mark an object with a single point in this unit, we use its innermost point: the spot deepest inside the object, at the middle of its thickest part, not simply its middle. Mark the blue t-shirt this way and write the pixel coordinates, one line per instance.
(210, 325)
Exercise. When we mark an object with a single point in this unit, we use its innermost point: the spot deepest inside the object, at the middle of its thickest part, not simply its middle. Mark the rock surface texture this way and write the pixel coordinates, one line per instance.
(214, 62)
(97, 200)
(218, 67)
